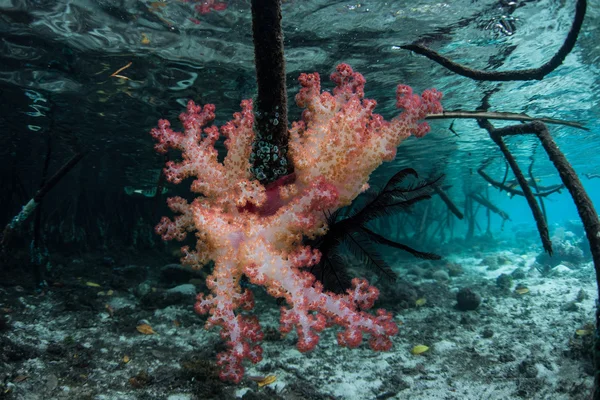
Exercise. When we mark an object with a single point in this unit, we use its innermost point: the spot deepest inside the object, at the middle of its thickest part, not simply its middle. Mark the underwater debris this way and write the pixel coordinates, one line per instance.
(117, 73)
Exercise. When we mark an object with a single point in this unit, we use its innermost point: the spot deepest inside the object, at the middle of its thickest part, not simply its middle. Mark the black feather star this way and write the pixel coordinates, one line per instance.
(348, 231)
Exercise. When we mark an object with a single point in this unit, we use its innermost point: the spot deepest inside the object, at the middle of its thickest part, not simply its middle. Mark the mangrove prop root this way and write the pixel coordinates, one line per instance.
(449, 203)
(515, 75)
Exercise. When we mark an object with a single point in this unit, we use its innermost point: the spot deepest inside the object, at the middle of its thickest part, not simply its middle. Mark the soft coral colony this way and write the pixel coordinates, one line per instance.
(251, 229)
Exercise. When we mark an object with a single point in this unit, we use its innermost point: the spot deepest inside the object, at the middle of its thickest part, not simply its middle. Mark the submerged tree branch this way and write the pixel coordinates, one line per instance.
(542, 226)
(515, 75)
(489, 205)
(449, 203)
(32, 204)
(504, 116)
(548, 190)
(582, 201)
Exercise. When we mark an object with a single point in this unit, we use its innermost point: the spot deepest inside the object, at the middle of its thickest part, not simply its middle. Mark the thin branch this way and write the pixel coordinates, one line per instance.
(32, 204)
(383, 240)
(516, 192)
(527, 192)
(449, 203)
(516, 75)
(489, 206)
(504, 116)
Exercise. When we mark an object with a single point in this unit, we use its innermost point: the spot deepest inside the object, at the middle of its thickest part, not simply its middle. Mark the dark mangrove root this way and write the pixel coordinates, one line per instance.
(489, 205)
(537, 189)
(585, 208)
(35, 248)
(569, 177)
(160, 184)
(449, 203)
(271, 122)
(547, 190)
(470, 214)
(516, 75)
(29, 208)
(496, 136)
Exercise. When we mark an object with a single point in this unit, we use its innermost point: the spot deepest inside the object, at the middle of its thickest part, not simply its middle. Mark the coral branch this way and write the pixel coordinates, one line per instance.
(341, 139)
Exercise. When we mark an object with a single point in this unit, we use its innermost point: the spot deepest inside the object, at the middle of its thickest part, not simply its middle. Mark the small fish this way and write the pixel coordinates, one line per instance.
(521, 290)
(145, 329)
(263, 380)
(419, 349)
(267, 381)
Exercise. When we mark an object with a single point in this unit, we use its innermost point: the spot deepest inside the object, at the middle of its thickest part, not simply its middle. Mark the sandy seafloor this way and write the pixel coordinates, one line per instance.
(534, 345)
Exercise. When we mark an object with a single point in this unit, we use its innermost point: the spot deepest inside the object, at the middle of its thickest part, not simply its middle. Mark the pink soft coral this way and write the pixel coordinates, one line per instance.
(257, 231)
